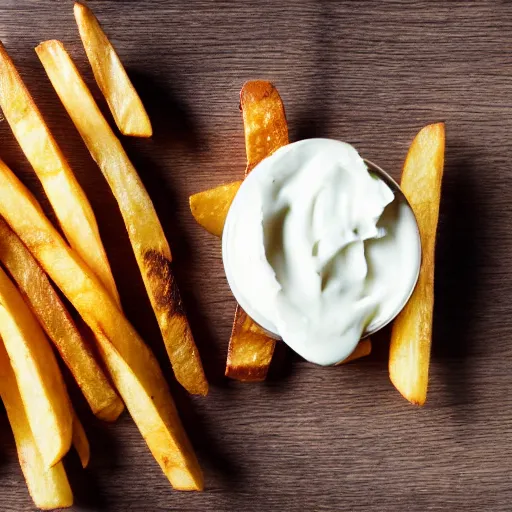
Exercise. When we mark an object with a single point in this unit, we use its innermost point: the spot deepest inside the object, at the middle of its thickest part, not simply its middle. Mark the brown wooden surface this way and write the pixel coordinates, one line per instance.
(371, 73)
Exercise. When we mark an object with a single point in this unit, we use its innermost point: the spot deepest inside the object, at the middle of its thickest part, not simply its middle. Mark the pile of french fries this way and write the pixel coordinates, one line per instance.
(33, 255)
(250, 349)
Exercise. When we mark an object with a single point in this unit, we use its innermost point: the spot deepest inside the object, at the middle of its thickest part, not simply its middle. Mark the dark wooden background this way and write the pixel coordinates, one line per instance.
(371, 73)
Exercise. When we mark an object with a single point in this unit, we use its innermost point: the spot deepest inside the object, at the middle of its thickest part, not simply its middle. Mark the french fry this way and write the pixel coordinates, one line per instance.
(250, 350)
(155, 414)
(67, 198)
(58, 324)
(39, 379)
(266, 130)
(122, 98)
(411, 336)
(211, 207)
(80, 441)
(48, 487)
(265, 126)
(130, 362)
(363, 349)
(145, 231)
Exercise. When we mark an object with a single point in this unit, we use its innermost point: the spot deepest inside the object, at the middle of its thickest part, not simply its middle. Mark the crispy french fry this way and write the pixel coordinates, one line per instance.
(250, 350)
(122, 98)
(58, 324)
(411, 336)
(363, 348)
(67, 198)
(266, 130)
(48, 487)
(155, 414)
(131, 363)
(145, 231)
(80, 441)
(211, 207)
(265, 126)
(37, 373)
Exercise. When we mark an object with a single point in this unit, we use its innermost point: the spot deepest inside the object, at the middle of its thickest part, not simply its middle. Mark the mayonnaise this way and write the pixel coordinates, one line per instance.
(318, 251)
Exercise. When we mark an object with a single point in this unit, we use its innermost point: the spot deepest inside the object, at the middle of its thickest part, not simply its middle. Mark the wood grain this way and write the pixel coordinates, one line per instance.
(368, 72)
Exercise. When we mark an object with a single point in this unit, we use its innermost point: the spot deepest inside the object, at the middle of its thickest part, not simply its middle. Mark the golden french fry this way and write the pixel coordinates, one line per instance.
(58, 324)
(155, 414)
(411, 336)
(250, 350)
(266, 130)
(122, 98)
(211, 207)
(48, 487)
(67, 198)
(130, 362)
(37, 373)
(363, 348)
(265, 126)
(145, 231)
(80, 441)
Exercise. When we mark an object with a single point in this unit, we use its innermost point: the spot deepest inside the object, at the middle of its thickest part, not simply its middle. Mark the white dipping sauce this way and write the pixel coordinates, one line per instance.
(318, 251)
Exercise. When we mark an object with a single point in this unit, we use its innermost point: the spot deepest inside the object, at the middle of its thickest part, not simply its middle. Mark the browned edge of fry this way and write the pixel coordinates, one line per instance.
(169, 309)
(250, 350)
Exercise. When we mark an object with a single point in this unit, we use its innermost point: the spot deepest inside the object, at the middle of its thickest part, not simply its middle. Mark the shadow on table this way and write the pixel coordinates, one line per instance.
(85, 483)
(172, 120)
(6, 438)
(458, 278)
(315, 114)
(213, 452)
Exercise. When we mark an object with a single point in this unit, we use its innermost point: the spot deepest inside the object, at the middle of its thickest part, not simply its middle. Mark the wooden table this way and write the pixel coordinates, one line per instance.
(371, 73)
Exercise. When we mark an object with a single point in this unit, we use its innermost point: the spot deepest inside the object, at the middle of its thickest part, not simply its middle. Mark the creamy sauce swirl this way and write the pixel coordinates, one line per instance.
(318, 250)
